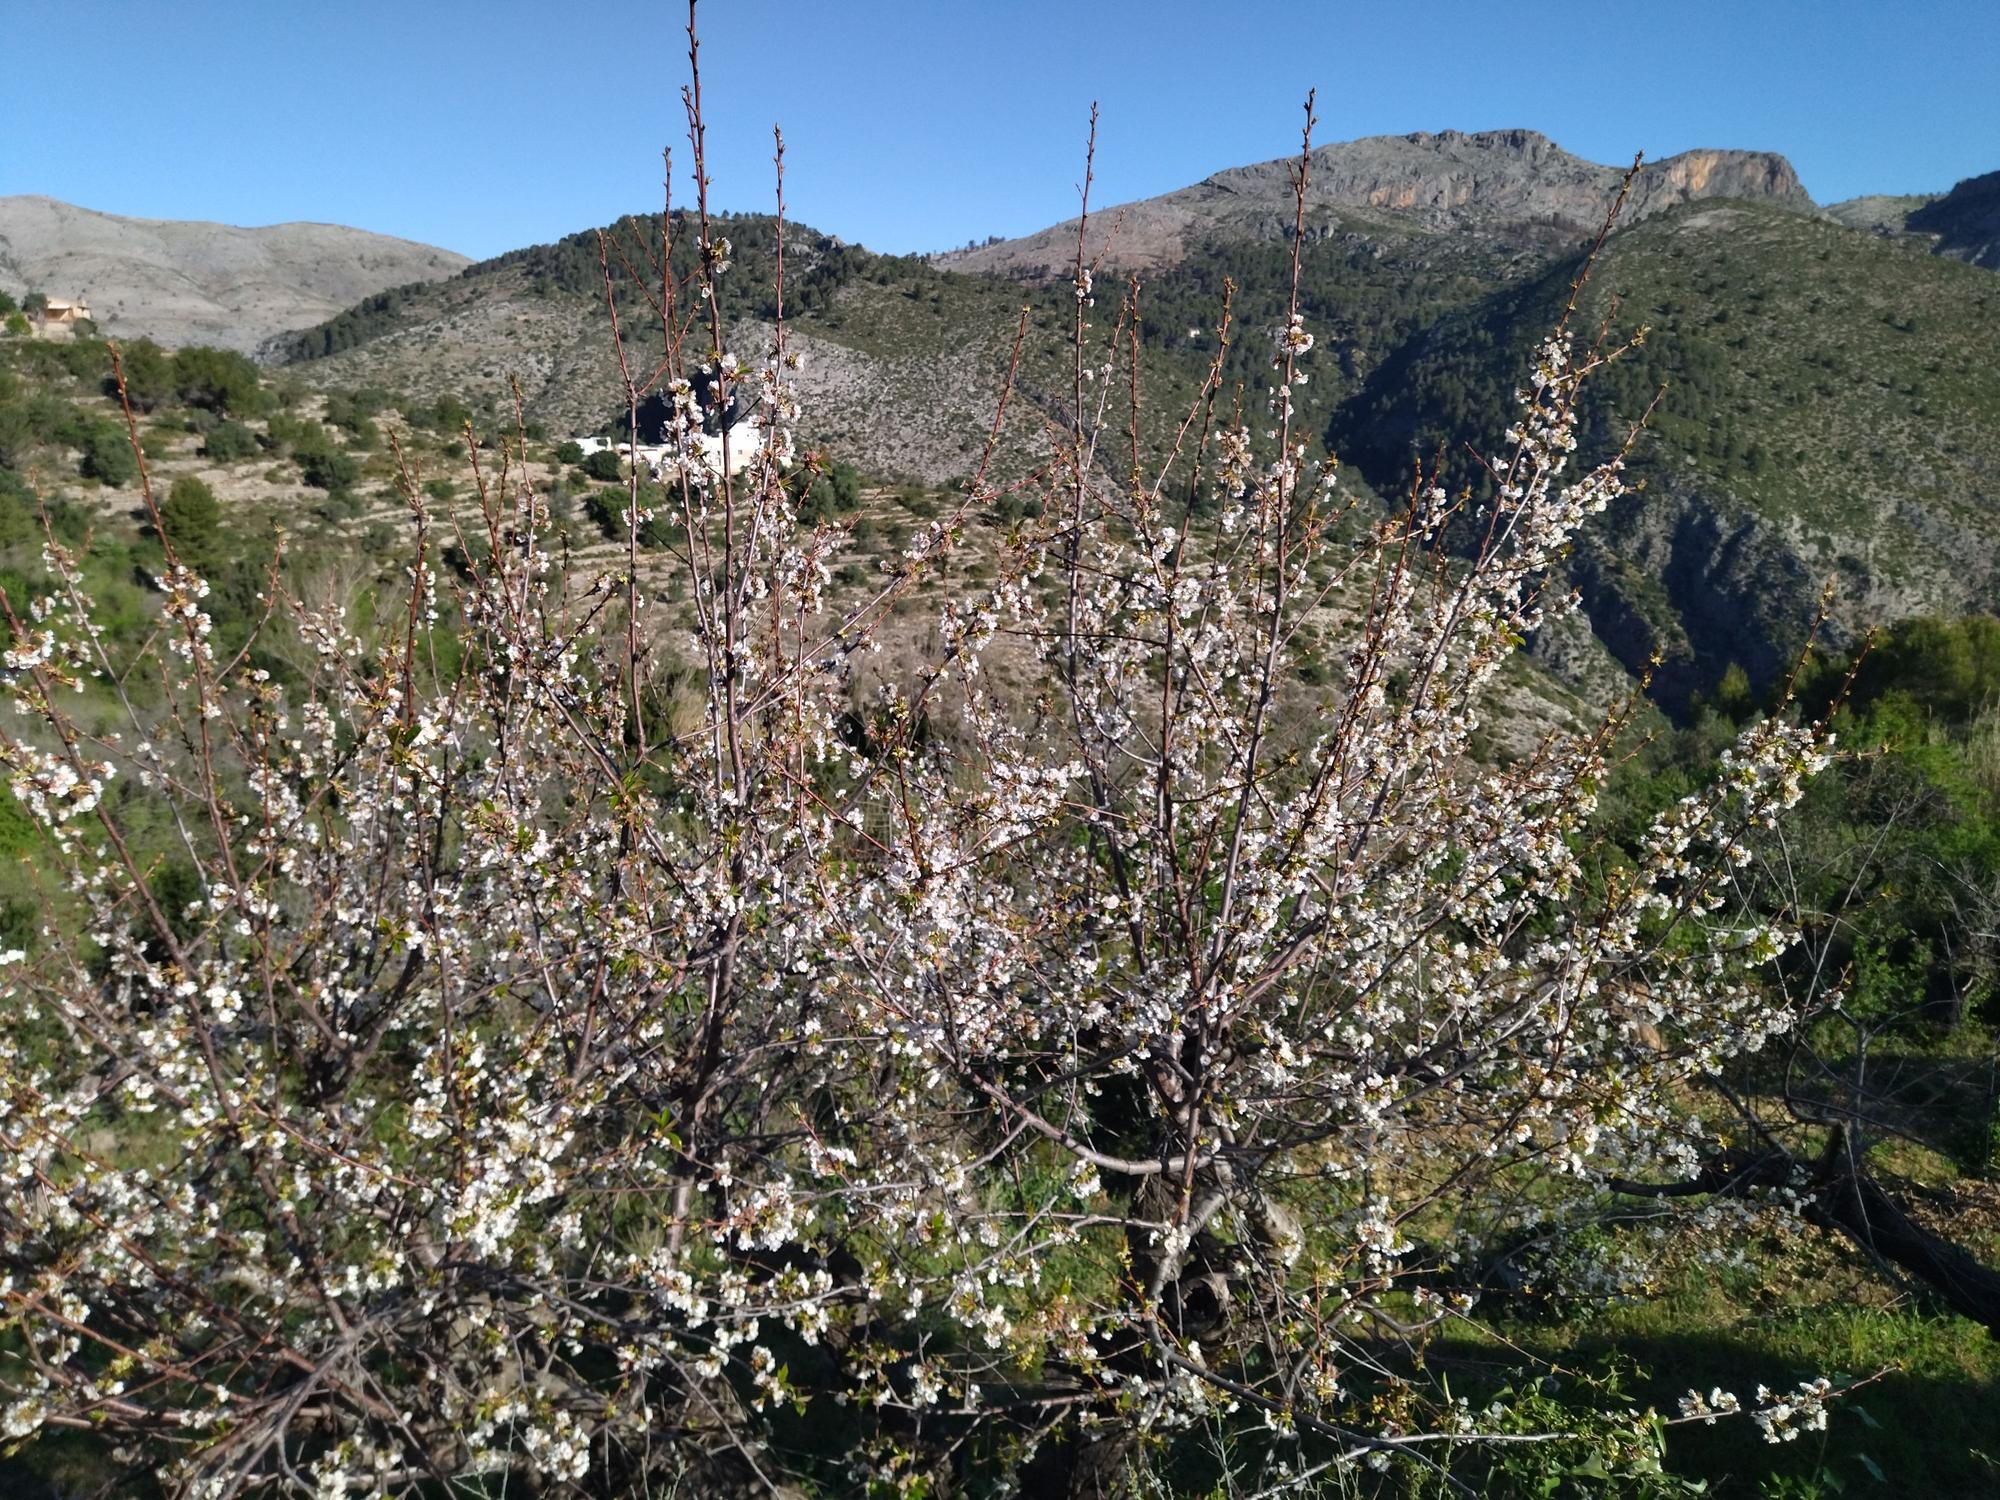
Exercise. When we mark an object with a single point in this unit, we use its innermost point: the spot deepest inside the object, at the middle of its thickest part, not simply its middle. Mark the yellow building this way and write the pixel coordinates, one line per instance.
(60, 317)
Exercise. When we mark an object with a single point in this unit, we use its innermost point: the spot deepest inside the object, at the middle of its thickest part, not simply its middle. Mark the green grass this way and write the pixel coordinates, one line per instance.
(1791, 1311)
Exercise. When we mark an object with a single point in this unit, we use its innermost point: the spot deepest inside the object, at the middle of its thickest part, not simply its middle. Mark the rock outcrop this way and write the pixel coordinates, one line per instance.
(1886, 214)
(1963, 224)
(1965, 221)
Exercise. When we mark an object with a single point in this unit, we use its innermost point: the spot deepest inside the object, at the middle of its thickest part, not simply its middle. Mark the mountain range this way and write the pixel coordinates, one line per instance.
(1828, 402)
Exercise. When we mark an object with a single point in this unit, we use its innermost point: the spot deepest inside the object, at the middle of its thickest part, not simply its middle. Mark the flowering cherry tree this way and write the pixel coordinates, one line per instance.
(920, 1090)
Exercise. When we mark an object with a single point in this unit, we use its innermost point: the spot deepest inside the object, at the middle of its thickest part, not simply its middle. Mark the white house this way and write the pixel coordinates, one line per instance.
(746, 441)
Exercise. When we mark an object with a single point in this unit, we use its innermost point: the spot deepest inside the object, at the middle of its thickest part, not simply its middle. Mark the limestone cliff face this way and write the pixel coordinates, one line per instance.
(1761, 176)
(1513, 184)
(1686, 574)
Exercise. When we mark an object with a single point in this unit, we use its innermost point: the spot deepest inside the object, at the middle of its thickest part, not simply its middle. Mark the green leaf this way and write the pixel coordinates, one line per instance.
(1591, 1468)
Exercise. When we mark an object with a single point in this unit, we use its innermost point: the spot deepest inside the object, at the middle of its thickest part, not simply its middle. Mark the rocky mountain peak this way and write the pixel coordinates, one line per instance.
(1509, 183)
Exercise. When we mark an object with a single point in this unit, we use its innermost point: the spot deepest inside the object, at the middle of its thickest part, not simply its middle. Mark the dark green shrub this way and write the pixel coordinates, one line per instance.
(329, 468)
(149, 376)
(291, 434)
(833, 493)
(19, 524)
(229, 441)
(446, 414)
(324, 464)
(607, 509)
(1010, 509)
(341, 504)
(81, 358)
(352, 409)
(56, 422)
(107, 455)
(191, 519)
(17, 433)
(220, 380)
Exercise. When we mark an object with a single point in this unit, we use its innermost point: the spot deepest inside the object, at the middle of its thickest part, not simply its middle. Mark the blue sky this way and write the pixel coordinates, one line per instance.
(920, 124)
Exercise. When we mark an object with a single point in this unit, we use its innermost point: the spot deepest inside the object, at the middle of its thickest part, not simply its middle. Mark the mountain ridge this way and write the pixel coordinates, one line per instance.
(1964, 222)
(181, 281)
(1516, 184)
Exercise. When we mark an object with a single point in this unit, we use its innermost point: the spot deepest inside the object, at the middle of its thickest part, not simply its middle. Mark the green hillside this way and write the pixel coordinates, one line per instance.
(1829, 410)
(879, 334)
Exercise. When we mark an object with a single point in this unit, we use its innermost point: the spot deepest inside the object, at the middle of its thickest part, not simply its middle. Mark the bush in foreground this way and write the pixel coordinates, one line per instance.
(940, 1090)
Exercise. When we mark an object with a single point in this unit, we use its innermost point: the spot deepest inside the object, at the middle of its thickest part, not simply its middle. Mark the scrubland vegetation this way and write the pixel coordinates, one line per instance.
(525, 979)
